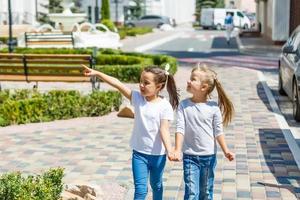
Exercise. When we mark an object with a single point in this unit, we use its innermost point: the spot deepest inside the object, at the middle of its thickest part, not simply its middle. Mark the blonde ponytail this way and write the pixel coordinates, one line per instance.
(226, 106)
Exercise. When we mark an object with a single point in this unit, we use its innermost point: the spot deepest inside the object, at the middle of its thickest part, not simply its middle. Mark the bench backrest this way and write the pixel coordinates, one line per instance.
(46, 40)
(44, 67)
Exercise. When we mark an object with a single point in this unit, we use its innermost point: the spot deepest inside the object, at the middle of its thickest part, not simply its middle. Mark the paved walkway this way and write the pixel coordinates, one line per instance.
(96, 149)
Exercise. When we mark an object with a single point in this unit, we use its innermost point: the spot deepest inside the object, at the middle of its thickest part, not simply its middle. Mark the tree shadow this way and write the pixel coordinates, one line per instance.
(263, 97)
(221, 43)
(280, 161)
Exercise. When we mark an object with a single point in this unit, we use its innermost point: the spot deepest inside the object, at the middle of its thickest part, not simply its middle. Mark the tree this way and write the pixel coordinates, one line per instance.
(207, 4)
(105, 11)
(220, 4)
(53, 7)
(137, 11)
(77, 6)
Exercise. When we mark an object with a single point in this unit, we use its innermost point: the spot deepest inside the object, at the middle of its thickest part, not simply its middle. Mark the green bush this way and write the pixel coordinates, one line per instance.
(48, 186)
(103, 59)
(125, 31)
(25, 106)
(110, 25)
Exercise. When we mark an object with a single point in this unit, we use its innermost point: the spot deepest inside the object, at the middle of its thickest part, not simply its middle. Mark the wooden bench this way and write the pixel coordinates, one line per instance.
(45, 68)
(46, 40)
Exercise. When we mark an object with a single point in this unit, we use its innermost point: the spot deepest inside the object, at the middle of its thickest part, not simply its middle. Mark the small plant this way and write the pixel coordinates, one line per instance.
(48, 186)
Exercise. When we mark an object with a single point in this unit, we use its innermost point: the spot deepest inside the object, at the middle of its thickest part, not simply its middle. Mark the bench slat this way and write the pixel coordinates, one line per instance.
(5, 55)
(49, 43)
(11, 60)
(67, 56)
(11, 67)
(46, 62)
(42, 68)
(44, 78)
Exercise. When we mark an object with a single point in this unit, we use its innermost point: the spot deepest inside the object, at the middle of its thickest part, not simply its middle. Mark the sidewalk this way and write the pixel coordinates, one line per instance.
(97, 149)
(131, 43)
(258, 46)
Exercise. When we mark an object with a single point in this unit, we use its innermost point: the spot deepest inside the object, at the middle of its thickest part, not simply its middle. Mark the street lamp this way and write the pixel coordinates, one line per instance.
(96, 12)
(10, 40)
(36, 11)
(117, 9)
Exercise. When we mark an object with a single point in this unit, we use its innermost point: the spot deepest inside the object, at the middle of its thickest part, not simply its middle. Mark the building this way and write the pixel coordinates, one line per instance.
(294, 14)
(244, 5)
(26, 11)
(170, 8)
(278, 18)
(23, 11)
(173, 9)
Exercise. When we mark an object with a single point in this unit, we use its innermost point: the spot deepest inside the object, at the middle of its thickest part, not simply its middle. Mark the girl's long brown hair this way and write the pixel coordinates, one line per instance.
(161, 77)
(226, 106)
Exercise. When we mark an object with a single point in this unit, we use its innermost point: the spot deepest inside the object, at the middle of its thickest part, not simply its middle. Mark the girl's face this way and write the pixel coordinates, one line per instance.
(148, 87)
(194, 85)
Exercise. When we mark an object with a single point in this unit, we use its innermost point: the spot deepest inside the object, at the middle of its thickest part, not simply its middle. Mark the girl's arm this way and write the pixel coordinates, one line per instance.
(110, 80)
(228, 154)
(178, 146)
(165, 136)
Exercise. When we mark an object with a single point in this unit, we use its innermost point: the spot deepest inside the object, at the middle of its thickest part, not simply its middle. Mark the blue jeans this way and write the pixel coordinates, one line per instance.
(199, 176)
(142, 166)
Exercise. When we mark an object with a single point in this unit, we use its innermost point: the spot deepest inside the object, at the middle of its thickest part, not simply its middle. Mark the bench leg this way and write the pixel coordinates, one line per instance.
(36, 85)
(95, 83)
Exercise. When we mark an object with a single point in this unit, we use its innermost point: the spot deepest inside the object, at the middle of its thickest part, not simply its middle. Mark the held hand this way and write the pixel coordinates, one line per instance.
(229, 155)
(174, 155)
(177, 155)
(170, 156)
(88, 71)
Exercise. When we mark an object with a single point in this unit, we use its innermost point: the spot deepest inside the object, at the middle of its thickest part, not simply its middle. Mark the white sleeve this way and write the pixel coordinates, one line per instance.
(180, 122)
(167, 112)
(135, 95)
(218, 123)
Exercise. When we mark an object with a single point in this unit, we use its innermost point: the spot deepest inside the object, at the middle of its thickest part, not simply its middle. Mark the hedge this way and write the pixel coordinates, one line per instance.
(47, 186)
(122, 65)
(125, 31)
(26, 106)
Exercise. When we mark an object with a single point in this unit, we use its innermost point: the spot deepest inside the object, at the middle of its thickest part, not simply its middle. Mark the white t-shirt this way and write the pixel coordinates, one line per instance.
(147, 117)
(200, 123)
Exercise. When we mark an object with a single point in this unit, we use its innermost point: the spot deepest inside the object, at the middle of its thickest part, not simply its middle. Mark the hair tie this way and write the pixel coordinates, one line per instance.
(167, 67)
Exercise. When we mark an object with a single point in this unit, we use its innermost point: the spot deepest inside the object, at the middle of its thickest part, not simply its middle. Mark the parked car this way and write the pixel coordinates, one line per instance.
(153, 21)
(289, 71)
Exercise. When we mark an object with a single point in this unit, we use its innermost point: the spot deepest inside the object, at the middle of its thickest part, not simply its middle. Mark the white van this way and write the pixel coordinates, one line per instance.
(215, 18)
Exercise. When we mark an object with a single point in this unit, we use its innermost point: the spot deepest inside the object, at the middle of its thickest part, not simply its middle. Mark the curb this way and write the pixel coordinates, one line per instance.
(289, 134)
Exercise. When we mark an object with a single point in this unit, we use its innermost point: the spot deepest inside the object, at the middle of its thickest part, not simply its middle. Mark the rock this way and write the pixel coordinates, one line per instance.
(85, 191)
(91, 197)
(69, 196)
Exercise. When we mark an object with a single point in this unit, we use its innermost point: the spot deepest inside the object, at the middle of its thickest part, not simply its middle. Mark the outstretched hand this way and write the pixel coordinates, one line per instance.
(88, 71)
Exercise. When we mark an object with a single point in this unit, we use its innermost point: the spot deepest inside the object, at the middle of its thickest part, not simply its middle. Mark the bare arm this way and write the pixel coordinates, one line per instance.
(165, 135)
(110, 80)
(178, 141)
(178, 146)
(228, 154)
